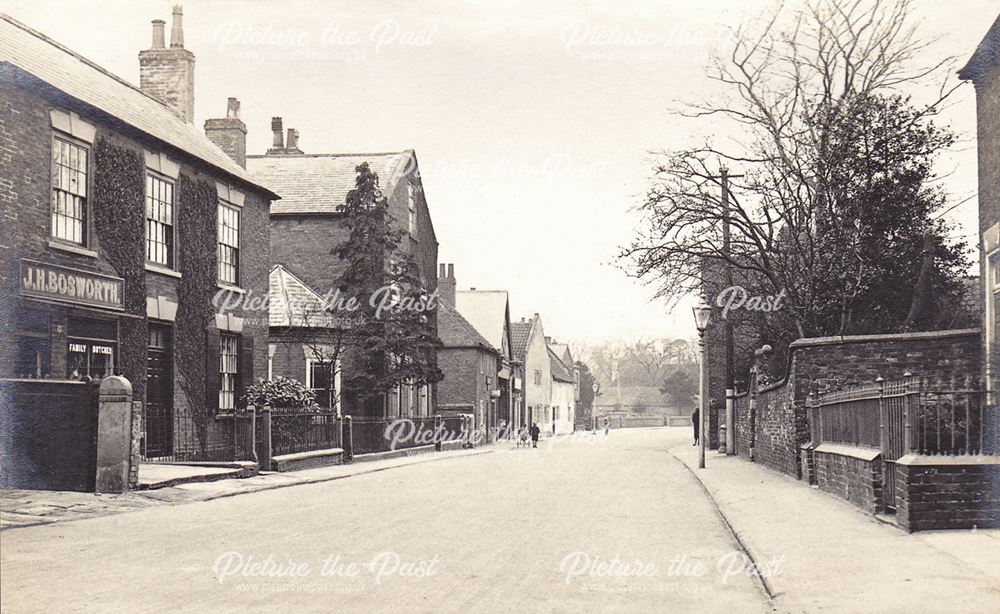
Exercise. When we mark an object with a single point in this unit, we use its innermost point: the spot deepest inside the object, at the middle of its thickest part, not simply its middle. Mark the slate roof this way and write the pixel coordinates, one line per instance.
(82, 79)
(319, 183)
(519, 333)
(486, 310)
(291, 302)
(456, 332)
(986, 56)
(558, 369)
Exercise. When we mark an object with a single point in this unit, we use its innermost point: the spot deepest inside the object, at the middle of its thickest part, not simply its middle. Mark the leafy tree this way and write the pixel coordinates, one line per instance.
(586, 388)
(393, 327)
(681, 385)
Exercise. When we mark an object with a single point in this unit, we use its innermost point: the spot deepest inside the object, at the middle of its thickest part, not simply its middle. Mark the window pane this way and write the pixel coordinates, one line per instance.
(159, 221)
(69, 191)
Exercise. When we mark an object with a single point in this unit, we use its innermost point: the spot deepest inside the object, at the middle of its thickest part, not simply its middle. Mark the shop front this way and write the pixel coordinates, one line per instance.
(66, 323)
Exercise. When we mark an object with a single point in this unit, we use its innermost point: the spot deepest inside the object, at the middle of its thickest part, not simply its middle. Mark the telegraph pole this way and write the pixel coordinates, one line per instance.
(724, 178)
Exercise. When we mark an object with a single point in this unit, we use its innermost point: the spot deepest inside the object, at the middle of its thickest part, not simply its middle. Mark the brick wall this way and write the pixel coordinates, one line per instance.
(951, 496)
(855, 479)
(780, 421)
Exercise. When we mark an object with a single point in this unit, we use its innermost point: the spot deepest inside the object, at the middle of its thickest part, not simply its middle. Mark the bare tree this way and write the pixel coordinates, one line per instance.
(788, 87)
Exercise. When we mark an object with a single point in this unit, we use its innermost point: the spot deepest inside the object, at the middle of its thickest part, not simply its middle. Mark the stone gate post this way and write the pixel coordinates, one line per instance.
(114, 435)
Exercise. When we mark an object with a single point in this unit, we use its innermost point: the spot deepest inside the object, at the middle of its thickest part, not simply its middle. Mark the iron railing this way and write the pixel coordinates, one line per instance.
(903, 416)
(304, 431)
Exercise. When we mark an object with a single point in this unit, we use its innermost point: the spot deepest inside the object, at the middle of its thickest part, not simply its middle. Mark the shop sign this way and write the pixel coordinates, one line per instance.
(57, 283)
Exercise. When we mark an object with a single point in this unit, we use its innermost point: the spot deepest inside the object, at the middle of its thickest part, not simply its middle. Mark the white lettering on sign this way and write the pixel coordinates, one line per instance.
(50, 281)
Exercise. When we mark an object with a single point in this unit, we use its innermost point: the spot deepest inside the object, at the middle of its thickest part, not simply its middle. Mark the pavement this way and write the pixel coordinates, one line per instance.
(584, 523)
(838, 558)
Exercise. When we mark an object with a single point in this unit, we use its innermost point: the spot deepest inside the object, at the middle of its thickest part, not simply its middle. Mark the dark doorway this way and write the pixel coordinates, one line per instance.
(159, 392)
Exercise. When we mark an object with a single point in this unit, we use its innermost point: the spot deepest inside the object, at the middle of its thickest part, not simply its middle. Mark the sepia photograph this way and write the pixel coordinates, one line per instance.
(497, 306)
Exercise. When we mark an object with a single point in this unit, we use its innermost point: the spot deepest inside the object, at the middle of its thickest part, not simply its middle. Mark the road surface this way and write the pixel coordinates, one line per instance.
(585, 525)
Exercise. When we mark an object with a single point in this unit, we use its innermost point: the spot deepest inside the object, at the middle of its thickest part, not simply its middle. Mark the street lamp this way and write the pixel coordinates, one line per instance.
(702, 318)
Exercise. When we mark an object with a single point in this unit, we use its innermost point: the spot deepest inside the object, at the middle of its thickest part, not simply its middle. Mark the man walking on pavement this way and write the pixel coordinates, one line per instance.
(534, 434)
(694, 423)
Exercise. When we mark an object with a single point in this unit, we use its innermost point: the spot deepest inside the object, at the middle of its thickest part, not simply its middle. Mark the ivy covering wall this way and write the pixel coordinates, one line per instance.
(119, 222)
(197, 202)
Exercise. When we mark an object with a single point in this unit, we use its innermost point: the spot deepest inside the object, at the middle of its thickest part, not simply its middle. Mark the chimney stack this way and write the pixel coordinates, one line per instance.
(229, 133)
(168, 74)
(446, 284)
(278, 137)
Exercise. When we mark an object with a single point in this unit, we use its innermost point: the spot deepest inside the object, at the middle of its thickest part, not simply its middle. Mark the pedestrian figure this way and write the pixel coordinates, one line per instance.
(607, 426)
(534, 434)
(694, 423)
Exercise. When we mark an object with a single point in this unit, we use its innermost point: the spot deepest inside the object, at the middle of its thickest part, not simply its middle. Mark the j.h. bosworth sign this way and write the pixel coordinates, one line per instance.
(56, 283)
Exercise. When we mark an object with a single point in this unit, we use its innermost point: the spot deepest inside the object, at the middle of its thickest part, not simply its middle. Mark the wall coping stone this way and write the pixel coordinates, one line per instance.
(839, 340)
(297, 456)
(865, 454)
(969, 460)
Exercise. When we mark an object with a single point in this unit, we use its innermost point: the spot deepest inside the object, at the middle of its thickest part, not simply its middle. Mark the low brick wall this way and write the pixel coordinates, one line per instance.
(854, 474)
(948, 493)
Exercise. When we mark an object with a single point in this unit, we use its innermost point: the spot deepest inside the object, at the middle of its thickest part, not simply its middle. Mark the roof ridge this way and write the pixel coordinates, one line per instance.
(330, 155)
(78, 56)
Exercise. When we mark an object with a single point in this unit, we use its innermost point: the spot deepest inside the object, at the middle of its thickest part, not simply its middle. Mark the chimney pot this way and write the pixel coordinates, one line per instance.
(451, 271)
(292, 142)
(158, 34)
(177, 28)
(442, 271)
(233, 108)
(277, 130)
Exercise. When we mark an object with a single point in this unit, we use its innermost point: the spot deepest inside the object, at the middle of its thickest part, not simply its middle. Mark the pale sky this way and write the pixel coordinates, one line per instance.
(532, 121)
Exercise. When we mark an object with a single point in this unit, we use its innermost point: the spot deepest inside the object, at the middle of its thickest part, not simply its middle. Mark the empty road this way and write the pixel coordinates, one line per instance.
(587, 524)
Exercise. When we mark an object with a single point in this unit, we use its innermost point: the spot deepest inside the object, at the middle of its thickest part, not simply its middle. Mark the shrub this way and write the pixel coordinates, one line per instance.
(280, 393)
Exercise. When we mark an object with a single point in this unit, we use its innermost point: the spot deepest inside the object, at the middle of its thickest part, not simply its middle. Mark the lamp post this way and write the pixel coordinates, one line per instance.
(702, 318)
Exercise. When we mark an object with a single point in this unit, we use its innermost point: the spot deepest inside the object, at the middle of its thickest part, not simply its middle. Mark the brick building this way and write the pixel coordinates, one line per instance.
(983, 69)
(470, 364)
(488, 312)
(307, 226)
(121, 223)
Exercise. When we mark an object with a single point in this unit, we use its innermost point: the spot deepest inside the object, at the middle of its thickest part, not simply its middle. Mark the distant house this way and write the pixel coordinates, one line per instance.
(307, 228)
(983, 69)
(530, 349)
(470, 364)
(563, 352)
(563, 400)
(489, 312)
